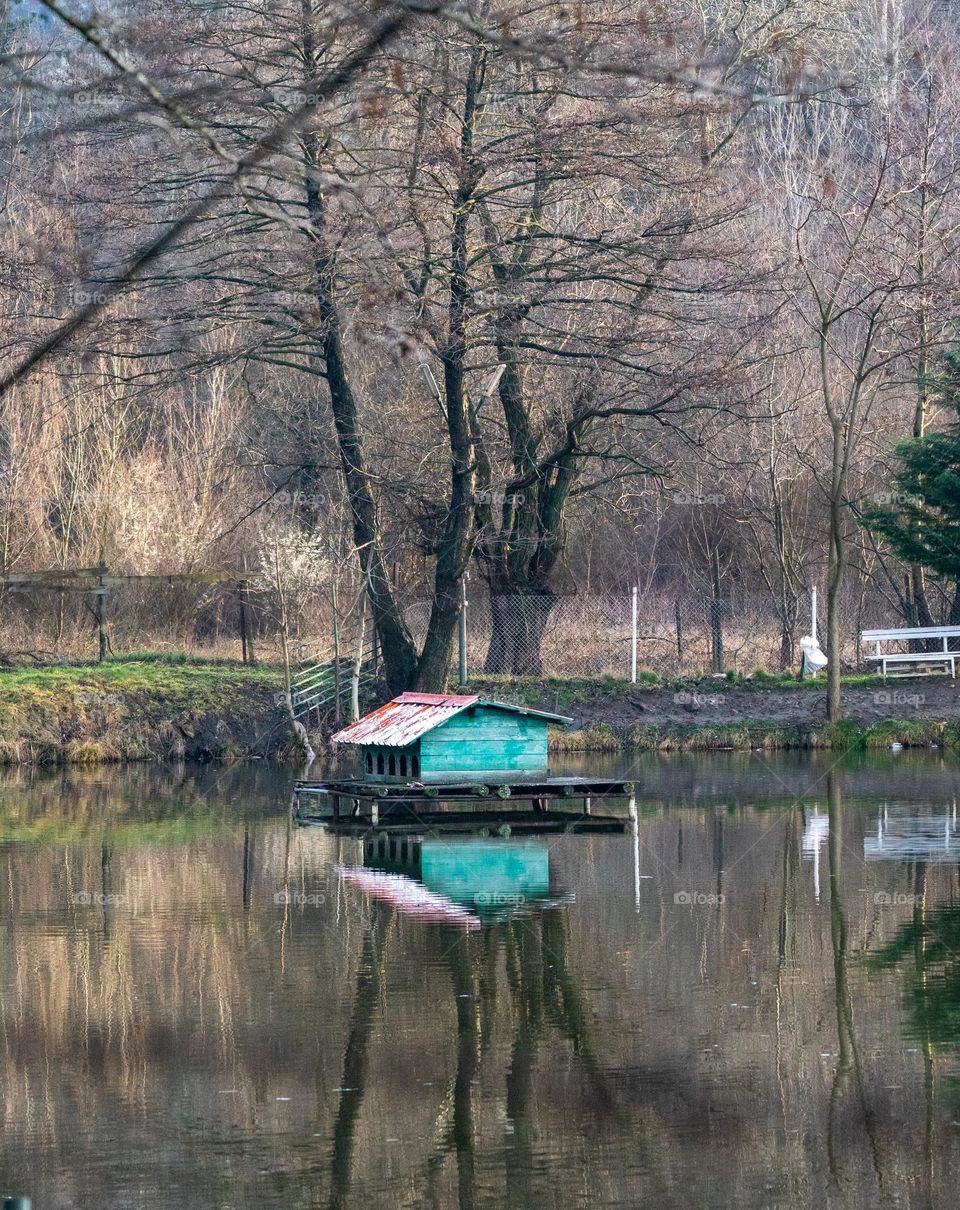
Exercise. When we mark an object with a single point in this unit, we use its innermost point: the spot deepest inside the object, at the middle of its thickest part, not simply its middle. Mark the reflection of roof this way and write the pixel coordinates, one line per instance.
(409, 897)
(411, 715)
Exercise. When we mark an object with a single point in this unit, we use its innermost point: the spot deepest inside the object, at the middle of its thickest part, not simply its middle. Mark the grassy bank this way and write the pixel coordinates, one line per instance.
(140, 707)
(774, 708)
(168, 707)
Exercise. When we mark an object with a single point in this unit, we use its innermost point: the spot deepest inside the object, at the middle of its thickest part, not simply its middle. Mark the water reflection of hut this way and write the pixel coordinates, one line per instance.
(489, 877)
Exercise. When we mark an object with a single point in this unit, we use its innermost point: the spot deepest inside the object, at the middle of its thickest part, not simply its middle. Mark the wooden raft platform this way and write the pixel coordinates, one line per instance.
(353, 806)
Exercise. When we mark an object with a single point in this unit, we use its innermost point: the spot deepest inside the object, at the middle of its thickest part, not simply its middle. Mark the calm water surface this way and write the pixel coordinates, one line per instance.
(752, 1001)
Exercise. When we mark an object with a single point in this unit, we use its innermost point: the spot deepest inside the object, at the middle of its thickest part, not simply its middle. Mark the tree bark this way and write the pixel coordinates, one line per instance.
(457, 540)
(835, 570)
(518, 624)
(396, 642)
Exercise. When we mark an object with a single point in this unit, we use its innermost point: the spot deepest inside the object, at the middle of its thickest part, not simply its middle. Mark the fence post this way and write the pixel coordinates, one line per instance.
(242, 602)
(813, 612)
(633, 634)
(716, 617)
(463, 630)
(246, 630)
(679, 622)
(336, 651)
(101, 629)
(716, 633)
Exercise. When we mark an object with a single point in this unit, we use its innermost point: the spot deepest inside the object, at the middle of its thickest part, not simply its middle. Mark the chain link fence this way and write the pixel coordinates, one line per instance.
(587, 635)
(595, 636)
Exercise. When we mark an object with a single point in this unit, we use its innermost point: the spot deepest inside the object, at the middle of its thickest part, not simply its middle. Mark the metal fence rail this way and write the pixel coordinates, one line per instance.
(323, 682)
(622, 635)
(586, 636)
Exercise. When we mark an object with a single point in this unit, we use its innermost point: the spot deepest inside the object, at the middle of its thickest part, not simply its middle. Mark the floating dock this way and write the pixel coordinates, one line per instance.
(353, 806)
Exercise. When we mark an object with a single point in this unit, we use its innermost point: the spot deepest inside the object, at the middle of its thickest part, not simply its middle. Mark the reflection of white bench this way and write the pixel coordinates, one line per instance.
(944, 656)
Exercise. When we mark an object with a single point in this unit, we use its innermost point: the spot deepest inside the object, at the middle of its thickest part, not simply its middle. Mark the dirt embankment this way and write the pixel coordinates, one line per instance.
(922, 698)
(140, 710)
(915, 712)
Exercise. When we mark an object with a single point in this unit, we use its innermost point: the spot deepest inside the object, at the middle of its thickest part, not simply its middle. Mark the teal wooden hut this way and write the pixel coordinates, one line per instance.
(444, 738)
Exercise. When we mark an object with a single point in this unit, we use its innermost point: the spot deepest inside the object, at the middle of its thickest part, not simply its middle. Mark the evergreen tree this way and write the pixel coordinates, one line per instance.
(921, 520)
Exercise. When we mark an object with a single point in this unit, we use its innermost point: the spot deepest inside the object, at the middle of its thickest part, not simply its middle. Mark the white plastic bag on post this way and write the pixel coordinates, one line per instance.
(813, 660)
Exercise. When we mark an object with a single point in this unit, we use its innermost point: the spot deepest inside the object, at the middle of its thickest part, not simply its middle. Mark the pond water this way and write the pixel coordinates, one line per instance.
(753, 1000)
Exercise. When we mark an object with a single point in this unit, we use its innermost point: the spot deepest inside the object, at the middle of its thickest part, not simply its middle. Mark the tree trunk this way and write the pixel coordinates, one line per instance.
(456, 544)
(499, 651)
(517, 626)
(835, 569)
(786, 644)
(396, 643)
(954, 619)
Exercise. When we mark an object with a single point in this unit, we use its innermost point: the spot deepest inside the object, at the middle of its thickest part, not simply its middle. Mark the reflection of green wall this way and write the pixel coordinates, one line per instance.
(461, 870)
(464, 870)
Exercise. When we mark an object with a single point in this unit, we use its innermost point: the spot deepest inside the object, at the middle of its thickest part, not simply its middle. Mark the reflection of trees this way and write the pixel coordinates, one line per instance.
(849, 1064)
(463, 959)
(353, 1083)
(927, 947)
(525, 975)
(501, 1059)
(542, 994)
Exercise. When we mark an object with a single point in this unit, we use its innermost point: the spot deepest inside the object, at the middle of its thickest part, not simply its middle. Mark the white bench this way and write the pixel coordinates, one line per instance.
(944, 656)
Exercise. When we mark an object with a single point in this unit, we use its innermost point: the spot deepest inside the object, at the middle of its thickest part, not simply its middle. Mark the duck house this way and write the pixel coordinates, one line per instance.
(441, 738)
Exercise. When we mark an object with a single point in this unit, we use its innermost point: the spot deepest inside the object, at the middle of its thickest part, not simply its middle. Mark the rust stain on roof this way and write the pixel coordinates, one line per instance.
(405, 719)
(411, 715)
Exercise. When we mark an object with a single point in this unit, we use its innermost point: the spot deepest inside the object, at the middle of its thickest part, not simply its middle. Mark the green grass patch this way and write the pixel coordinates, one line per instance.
(598, 737)
(134, 708)
(760, 681)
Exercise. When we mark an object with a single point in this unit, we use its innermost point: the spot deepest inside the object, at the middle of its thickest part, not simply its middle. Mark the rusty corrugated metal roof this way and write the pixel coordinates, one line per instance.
(411, 715)
(405, 719)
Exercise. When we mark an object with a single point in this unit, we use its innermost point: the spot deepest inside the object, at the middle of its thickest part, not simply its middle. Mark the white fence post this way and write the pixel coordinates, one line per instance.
(633, 634)
(463, 630)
